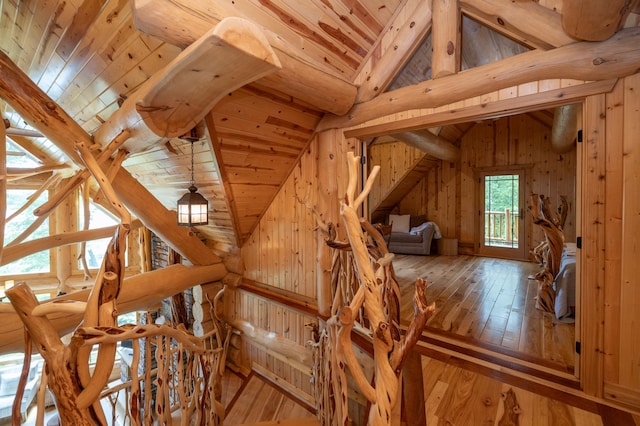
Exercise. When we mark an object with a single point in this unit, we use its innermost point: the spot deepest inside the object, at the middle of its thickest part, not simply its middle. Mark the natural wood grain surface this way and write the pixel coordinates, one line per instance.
(260, 401)
(488, 301)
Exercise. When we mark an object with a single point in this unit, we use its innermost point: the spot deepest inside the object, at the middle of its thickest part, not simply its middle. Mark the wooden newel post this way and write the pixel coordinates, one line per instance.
(391, 350)
(62, 380)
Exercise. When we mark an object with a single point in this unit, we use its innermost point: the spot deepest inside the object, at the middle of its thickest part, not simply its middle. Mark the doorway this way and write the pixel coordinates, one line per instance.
(501, 214)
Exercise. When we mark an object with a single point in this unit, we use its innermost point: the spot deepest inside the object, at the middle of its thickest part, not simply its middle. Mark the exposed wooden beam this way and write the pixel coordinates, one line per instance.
(136, 293)
(617, 57)
(32, 148)
(214, 146)
(175, 99)
(300, 76)
(526, 21)
(565, 128)
(407, 39)
(445, 38)
(42, 112)
(431, 144)
(595, 20)
(491, 110)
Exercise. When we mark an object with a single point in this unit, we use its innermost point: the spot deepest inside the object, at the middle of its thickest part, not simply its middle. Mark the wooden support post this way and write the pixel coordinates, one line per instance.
(328, 208)
(64, 223)
(445, 38)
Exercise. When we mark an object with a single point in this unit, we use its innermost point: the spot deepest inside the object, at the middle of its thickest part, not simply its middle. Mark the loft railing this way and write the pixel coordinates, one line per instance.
(501, 228)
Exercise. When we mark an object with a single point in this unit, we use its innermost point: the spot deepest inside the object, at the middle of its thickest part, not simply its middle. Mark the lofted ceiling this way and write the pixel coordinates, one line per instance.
(90, 56)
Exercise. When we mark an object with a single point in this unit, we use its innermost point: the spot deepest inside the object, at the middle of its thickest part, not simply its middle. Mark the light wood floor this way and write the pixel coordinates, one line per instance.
(253, 400)
(489, 302)
(454, 396)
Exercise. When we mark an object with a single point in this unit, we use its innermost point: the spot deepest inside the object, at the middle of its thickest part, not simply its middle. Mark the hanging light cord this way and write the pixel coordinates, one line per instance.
(193, 181)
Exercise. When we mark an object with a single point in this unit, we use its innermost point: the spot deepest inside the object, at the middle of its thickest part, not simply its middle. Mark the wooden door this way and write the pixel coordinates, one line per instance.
(501, 214)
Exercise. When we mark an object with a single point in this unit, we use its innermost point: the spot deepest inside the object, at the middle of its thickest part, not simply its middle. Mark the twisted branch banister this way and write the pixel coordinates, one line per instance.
(373, 304)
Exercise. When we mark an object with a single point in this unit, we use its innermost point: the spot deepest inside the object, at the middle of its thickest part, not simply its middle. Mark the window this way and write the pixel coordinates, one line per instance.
(37, 262)
(95, 249)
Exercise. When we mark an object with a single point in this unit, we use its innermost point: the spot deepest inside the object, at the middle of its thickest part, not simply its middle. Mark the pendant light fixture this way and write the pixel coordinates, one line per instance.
(193, 208)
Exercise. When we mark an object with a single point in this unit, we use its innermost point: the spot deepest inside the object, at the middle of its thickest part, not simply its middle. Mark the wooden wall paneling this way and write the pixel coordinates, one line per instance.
(630, 292)
(614, 230)
(592, 274)
(467, 186)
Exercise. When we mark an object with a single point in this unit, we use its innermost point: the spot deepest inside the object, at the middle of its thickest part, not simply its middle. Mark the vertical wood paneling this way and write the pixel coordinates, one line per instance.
(592, 282)
(395, 160)
(507, 142)
(629, 287)
(613, 230)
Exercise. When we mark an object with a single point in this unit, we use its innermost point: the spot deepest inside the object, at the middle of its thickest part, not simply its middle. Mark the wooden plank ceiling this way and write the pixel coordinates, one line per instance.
(88, 56)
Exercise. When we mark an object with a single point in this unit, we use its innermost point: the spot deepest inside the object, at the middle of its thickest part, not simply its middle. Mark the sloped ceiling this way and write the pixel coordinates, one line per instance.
(89, 56)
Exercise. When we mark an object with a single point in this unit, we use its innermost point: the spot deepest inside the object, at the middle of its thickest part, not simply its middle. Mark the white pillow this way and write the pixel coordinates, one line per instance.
(399, 223)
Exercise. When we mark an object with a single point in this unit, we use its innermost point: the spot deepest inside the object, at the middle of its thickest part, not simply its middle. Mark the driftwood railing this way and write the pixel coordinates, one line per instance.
(183, 381)
(366, 298)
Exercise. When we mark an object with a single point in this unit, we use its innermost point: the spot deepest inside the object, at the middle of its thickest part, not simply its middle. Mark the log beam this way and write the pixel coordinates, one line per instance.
(407, 39)
(527, 22)
(565, 128)
(137, 293)
(595, 20)
(431, 144)
(175, 99)
(300, 76)
(42, 112)
(445, 38)
(591, 61)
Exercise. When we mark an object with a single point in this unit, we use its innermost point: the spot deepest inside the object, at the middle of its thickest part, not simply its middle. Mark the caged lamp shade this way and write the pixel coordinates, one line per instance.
(193, 208)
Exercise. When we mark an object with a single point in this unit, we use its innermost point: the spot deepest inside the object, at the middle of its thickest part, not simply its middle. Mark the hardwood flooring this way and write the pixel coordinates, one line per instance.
(454, 396)
(490, 303)
(254, 400)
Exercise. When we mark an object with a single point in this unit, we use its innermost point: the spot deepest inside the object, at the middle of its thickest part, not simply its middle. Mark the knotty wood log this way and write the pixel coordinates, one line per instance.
(299, 76)
(72, 183)
(390, 349)
(176, 99)
(405, 42)
(618, 56)
(134, 296)
(528, 22)
(433, 145)
(19, 251)
(564, 131)
(552, 253)
(62, 379)
(594, 20)
(39, 110)
(445, 38)
(49, 183)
